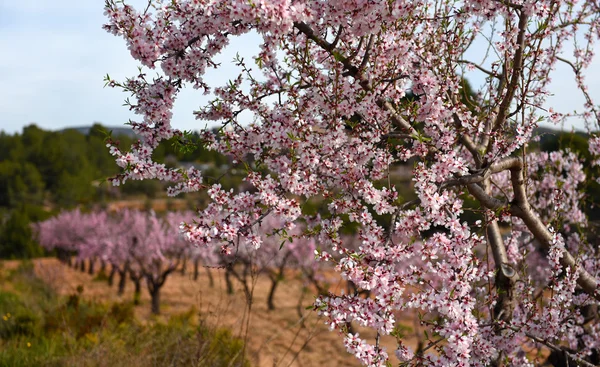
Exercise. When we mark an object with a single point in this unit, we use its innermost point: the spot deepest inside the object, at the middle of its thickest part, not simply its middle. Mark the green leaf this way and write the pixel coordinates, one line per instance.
(338, 56)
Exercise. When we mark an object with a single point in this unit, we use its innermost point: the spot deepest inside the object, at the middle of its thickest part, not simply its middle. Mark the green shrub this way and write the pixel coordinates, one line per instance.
(122, 312)
(43, 329)
(100, 277)
(77, 317)
(17, 320)
(220, 348)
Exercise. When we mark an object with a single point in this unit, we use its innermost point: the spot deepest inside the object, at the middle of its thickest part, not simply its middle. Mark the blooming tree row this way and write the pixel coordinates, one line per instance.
(331, 118)
(137, 244)
(280, 251)
(144, 247)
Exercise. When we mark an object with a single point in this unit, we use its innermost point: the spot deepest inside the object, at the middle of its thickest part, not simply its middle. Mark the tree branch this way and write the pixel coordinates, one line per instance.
(466, 140)
(353, 71)
(555, 348)
(479, 67)
(520, 207)
(367, 53)
(517, 66)
(486, 200)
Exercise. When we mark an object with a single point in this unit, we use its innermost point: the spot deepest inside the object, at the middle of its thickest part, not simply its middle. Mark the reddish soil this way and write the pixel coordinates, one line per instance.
(273, 338)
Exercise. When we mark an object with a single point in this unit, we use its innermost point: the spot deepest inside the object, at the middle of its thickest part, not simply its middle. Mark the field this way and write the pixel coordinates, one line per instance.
(274, 338)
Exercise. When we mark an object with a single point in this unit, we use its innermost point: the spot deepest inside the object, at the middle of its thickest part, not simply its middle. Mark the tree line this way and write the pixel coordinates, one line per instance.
(42, 172)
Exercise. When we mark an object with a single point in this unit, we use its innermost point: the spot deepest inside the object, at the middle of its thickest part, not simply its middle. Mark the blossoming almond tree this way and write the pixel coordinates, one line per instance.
(72, 233)
(55, 234)
(155, 249)
(331, 119)
(137, 244)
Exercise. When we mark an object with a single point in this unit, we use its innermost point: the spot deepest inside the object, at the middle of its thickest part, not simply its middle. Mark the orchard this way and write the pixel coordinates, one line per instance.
(146, 248)
(343, 93)
(137, 245)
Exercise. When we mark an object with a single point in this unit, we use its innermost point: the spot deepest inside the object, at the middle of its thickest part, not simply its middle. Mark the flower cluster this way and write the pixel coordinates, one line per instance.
(351, 103)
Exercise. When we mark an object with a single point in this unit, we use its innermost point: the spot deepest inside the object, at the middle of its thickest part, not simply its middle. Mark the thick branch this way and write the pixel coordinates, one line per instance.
(506, 276)
(505, 163)
(521, 208)
(486, 200)
(555, 348)
(304, 28)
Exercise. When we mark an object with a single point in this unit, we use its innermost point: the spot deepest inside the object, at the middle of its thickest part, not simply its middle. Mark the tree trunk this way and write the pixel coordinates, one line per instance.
(300, 308)
(102, 267)
(196, 266)
(69, 260)
(211, 281)
(274, 284)
(243, 278)
(228, 281)
(138, 291)
(183, 265)
(122, 279)
(275, 277)
(136, 278)
(82, 266)
(155, 297)
(61, 255)
(111, 276)
(91, 267)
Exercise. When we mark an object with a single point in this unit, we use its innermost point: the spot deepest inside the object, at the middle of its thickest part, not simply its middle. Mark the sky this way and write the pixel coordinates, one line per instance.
(56, 54)
(55, 57)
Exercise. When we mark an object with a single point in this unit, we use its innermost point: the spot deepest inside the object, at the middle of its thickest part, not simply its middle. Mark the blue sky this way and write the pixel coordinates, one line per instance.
(55, 55)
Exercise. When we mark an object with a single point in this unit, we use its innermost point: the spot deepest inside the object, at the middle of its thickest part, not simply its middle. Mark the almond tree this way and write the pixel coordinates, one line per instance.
(65, 233)
(342, 94)
(118, 250)
(139, 245)
(88, 236)
(271, 254)
(92, 236)
(156, 249)
(276, 257)
(48, 236)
